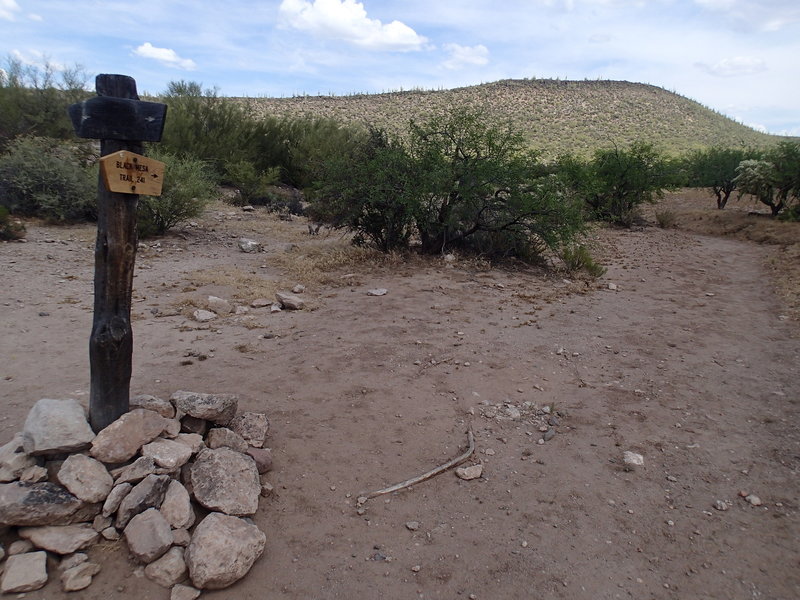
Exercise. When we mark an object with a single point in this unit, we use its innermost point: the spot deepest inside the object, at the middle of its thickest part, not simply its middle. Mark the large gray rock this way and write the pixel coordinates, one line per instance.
(24, 573)
(79, 577)
(13, 459)
(148, 493)
(217, 408)
(86, 478)
(136, 471)
(222, 551)
(226, 481)
(62, 540)
(177, 506)
(168, 454)
(169, 569)
(154, 403)
(222, 437)
(193, 440)
(115, 498)
(56, 427)
(121, 440)
(148, 535)
(36, 504)
(252, 426)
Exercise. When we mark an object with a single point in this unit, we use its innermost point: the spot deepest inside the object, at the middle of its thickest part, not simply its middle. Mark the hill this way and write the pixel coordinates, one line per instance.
(556, 116)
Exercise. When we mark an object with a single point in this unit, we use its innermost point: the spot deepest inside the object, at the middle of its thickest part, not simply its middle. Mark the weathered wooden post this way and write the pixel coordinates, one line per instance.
(122, 122)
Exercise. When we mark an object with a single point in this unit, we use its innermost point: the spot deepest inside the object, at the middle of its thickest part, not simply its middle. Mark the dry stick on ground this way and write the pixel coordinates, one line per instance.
(420, 478)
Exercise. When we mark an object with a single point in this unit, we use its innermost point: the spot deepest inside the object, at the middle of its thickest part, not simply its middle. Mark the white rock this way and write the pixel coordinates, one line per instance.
(136, 471)
(115, 497)
(65, 539)
(754, 500)
(169, 569)
(177, 506)
(298, 289)
(633, 459)
(471, 472)
(148, 535)
(13, 459)
(123, 438)
(193, 440)
(217, 408)
(219, 305)
(24, 573)
(226, 481)
(169, 454)
(222, 551)
(79, 577)
(377, 292)
(290, 301)
(55, 427)
(203, 316)
(87, 478)
(248, 246)
(184, 592)
(154, 403)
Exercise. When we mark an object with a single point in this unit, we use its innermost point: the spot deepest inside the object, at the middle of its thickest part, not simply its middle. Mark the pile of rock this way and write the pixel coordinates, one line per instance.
(64, 489)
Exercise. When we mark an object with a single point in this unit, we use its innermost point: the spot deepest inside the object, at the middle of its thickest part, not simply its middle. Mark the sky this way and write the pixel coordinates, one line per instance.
(738, 57)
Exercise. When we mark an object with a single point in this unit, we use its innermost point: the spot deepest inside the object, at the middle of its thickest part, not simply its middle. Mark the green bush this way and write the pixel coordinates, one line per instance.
(774, 180)
(666, 218)
(10, 228)
(188, 185)
(577, 257)
(34, 100)
(254, 186)
(43, 177)
(457, 182)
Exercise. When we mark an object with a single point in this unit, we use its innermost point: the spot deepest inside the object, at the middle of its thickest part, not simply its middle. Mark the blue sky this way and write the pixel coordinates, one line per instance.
(739, 57)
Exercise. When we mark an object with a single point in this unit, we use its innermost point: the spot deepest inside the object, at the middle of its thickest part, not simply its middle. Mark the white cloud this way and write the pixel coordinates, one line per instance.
(347, 20)
(35, 17)
(8, 8)
(166, 56)
(462, 56)
(763, 15)
(734, 67)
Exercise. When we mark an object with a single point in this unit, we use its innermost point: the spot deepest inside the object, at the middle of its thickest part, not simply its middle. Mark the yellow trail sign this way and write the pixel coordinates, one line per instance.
(130, 173)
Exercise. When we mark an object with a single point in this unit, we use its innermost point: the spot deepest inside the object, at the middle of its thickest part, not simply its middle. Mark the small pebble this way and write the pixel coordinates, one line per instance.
(412, 525)
(720, 505)
(416, 568)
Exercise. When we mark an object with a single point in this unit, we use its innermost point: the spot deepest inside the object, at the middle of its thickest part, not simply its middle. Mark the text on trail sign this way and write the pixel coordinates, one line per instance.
(126, 172)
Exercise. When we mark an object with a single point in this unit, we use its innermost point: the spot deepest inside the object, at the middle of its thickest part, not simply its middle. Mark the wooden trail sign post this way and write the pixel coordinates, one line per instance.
(122, 123)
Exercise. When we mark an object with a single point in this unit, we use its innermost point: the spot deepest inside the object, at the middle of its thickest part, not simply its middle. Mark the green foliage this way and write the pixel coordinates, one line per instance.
(34, 100)
(46, 178)
(577, 257)
(371, 190)
(188, 186)
(457, 183)
(254, 186)
(774, 180)
(10, 228)
(619, 180)
(715, 168)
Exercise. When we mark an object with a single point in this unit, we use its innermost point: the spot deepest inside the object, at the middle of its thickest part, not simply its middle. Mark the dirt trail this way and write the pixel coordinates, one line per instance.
(688, 362)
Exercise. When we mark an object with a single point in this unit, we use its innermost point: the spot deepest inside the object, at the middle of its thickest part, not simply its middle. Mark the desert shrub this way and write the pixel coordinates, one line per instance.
(188, 185)
(715, 168)
(620, 180)
(371, 191)
(577, 257)
(10, 228)
(254, 186)
(46, 178)
(457, 182)
(34, 100)
(775, 179)
(665, 218)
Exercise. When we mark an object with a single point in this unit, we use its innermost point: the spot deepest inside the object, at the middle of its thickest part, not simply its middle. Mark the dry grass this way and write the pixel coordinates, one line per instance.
(243, 285)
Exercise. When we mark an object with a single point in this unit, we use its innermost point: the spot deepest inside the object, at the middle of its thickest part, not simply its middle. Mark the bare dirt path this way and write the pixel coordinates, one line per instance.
(688, 362)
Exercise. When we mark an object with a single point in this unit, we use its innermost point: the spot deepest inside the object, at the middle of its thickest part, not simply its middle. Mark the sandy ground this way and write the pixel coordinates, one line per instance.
(692, 362)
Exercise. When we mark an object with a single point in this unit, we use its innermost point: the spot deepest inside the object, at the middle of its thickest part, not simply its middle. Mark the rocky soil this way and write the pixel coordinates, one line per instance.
(683, 356)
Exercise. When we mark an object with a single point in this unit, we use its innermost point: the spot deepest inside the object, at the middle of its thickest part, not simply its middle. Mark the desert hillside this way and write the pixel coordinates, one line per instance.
(556, 116)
